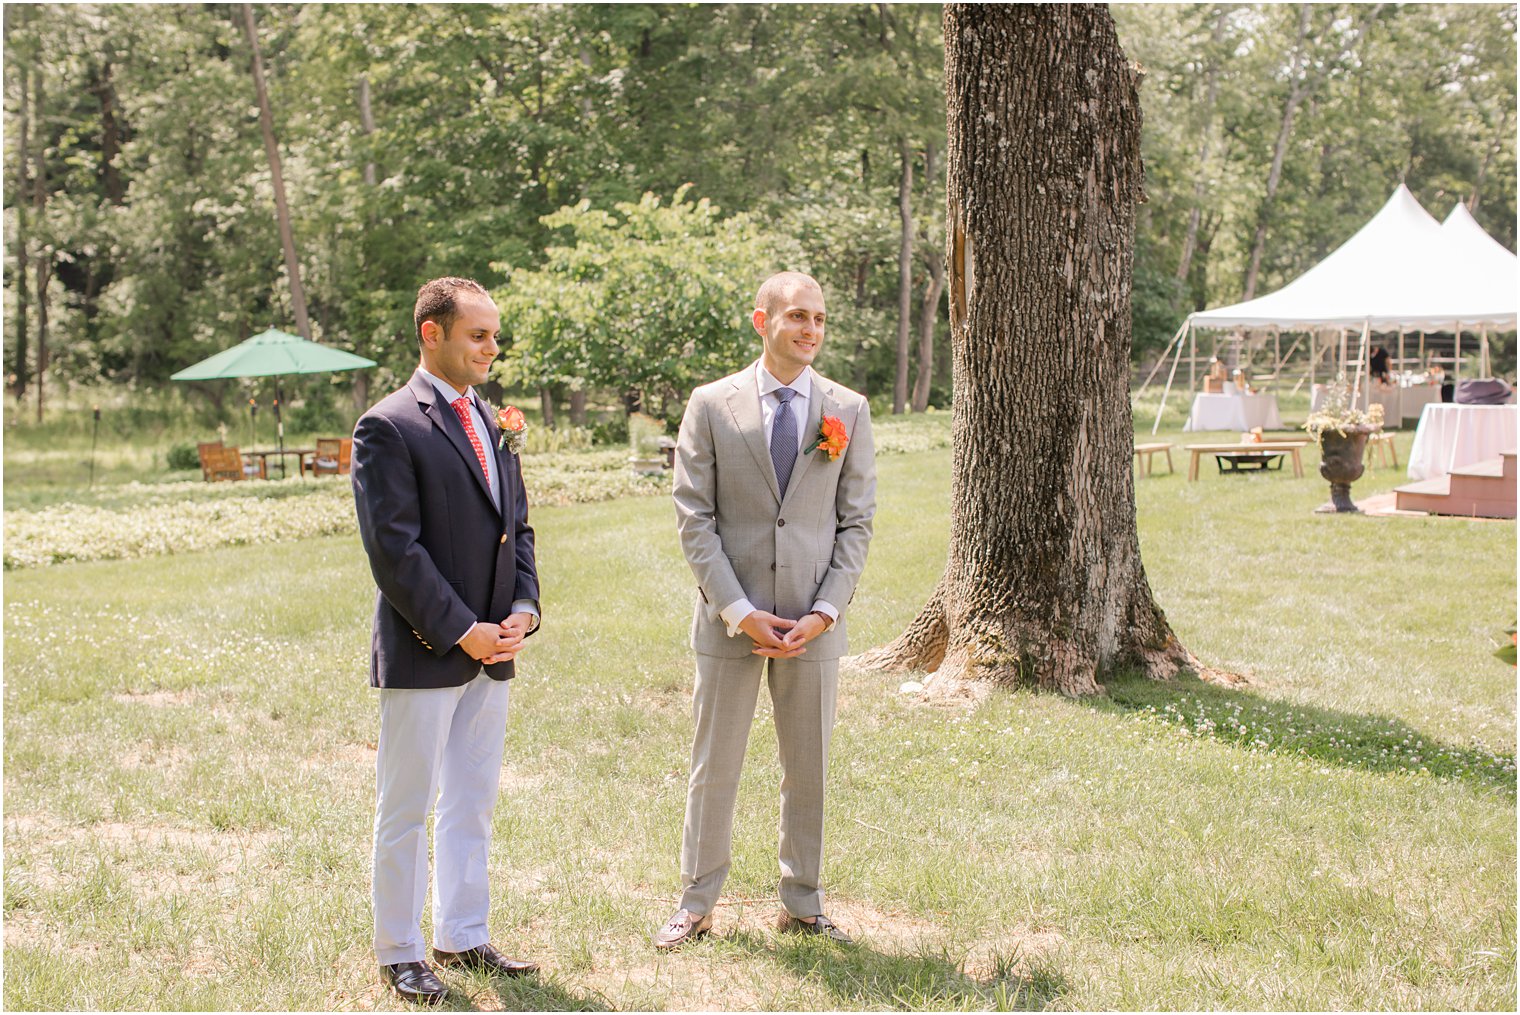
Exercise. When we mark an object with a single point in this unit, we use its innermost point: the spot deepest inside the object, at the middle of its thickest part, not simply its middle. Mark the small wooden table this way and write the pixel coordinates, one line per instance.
(264, 456)
(1291, 447)
(1143, 464)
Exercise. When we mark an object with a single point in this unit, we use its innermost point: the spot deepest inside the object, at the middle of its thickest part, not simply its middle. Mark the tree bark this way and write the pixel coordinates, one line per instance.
(367, 125)
(44, 265)
(1044, 584)
(272, 149)
(904, 277)
(1200, 185)
(577, 406)
(927, 321)
(546, 402)
(104, 88)
(19, 364)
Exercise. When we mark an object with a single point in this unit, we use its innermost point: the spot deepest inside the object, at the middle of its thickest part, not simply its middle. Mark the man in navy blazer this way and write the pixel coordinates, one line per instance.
(444, 520)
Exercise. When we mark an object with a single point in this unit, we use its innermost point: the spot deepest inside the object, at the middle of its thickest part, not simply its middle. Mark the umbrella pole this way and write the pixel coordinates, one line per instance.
(94, 437)
(279, 425)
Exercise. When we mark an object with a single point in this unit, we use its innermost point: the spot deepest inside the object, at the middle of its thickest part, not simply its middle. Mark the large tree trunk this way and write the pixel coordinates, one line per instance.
(904, 277)
(104, 88)
(577, 406)
(367, 126)
(272, 150)
(1044, 584)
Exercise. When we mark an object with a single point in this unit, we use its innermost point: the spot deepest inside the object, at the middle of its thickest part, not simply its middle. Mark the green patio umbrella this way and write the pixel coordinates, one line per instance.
(273, 353)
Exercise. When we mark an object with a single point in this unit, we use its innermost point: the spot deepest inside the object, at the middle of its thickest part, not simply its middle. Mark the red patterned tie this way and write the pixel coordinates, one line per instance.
(462, 410)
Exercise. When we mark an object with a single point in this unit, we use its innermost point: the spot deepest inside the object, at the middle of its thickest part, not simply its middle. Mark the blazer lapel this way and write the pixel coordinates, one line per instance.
(744, 403)
(446, 419)
(819, 405)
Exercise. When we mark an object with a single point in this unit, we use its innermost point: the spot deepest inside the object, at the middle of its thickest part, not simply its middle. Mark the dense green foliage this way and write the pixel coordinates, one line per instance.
(424, 140)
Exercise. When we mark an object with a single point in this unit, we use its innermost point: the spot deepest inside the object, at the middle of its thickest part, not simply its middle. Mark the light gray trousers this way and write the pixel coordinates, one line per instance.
(438, 746)
(804, 695)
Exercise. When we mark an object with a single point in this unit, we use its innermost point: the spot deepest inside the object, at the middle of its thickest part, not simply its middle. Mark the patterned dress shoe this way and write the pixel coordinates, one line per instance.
(485, 959)
(684, 926)
(821, 926)
(414, 982)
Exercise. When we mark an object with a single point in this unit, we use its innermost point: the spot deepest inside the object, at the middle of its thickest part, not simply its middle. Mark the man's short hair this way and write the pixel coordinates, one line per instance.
(775, 288)
(437, 301)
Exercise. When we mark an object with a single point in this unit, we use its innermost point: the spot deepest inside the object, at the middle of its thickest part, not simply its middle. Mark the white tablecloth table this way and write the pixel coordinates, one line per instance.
(1233, 412)
(1450, 436)
(1413, 399)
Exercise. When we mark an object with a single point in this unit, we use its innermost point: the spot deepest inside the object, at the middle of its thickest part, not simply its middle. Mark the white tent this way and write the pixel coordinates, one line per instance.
(1401, 271)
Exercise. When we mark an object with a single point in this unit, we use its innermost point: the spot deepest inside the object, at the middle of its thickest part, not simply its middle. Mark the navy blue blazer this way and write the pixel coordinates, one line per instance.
(442, 555)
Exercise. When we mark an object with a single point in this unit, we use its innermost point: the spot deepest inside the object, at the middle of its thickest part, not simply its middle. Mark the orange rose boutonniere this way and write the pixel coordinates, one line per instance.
(832, 438)
(514, 429)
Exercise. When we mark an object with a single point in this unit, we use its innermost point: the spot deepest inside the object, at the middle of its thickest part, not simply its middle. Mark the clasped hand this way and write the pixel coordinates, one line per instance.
(778, 638)
(497, 643)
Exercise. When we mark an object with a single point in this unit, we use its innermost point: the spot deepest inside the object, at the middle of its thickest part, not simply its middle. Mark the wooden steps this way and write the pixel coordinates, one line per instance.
(1481, 490)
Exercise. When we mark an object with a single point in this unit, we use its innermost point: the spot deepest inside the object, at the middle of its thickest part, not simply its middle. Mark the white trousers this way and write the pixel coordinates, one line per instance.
(443, 746)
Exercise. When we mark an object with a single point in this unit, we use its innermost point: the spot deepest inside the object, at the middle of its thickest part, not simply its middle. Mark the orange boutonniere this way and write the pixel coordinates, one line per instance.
(514, 429)
(832, 438)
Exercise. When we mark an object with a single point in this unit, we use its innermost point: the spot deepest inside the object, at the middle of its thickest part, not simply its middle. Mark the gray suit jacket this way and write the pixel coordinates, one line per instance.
(743, 540)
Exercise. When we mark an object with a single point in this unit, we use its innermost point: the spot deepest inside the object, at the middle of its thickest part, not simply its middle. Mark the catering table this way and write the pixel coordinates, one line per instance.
(1233, 412)
(1414, 398)
(1450, 436)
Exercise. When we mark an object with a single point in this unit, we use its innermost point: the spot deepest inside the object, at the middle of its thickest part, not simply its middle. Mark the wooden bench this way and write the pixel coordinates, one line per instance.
(1149, 453)
(1290, 446)
(1380, 445)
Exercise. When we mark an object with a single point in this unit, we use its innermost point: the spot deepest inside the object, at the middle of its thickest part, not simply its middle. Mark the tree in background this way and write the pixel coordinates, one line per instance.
(1044, 584)
(649, 299)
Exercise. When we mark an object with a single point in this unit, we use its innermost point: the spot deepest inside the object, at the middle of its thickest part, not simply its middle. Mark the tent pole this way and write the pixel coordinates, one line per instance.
(1173, 373)
(1485, 368)
(1402, 367)
(1192, 361)
(1276, 354)
(1423, 364)
(1456, 354)
(1164, 353)
(1361, 361)
(1291, 350)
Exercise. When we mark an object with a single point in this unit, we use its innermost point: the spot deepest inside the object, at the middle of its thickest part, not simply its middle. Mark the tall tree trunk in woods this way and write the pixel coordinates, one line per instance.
(1297, 90)
(546, 401)
(928, 316)
(104, 88)
(1044, 584)
(367, 125)
(927, 320)
(19, 364)
(577, 406)
(1210, 100)
(272, 149)
(44, 266)
(1302, 83)
(904, 277)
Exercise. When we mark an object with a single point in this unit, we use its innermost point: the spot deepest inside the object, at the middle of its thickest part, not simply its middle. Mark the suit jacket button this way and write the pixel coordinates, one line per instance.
(773, 567)
(780, 523)
(503, 537)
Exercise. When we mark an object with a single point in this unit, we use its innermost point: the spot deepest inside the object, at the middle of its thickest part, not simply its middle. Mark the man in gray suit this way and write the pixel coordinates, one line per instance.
(775, 489)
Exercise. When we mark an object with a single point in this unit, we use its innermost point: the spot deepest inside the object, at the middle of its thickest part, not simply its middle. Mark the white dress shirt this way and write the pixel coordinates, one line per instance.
(734, 613)
(450, 394)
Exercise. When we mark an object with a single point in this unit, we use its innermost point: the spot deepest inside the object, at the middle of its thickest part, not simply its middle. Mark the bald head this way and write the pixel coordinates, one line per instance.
(776, 289)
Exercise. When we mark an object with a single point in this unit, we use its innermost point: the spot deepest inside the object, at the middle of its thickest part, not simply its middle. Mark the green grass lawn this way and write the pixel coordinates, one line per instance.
(189, 772)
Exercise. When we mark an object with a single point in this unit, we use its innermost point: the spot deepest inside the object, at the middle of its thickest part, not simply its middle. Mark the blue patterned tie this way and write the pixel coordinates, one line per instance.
(784, 438)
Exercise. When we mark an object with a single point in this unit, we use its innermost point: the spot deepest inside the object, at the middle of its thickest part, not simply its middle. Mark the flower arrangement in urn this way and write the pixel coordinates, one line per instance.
(1341, 430)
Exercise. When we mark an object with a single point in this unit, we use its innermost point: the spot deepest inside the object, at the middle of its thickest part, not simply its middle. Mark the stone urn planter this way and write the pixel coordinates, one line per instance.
(1342, 464)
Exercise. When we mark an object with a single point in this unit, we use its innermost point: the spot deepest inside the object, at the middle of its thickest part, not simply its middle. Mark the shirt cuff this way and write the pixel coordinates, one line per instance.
(529, 607)
(735, 613)
(828, 610)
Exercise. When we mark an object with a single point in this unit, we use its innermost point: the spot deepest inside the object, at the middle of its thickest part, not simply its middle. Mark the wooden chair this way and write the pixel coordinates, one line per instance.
(1380, 446)
(332, 457)
(217, 465)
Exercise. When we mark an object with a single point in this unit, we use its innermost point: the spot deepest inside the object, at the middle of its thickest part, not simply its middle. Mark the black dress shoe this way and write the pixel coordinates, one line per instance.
(415, 982)
(487, 959)
(821, 926)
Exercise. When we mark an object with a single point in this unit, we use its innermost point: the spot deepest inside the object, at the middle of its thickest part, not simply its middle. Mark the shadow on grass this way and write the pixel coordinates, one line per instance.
(862, 977)
(1372, 742)
(529, 993)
